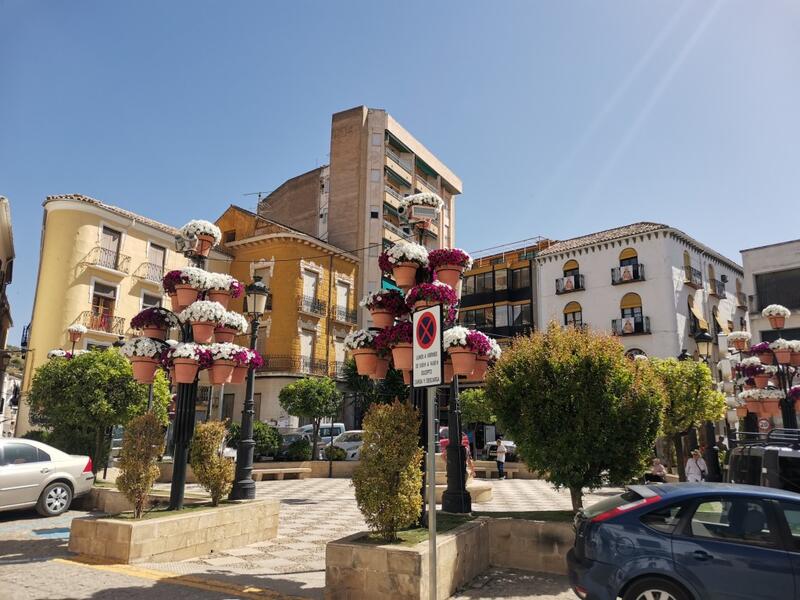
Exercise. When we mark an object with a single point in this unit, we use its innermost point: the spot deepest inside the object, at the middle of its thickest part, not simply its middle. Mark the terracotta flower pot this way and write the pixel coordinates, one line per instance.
(402, 356)
(224, 334)
(221, 296)
(204, 244)
(221, 371)
(765, 358)
(784, 357)
(75, 336)
(203, 332)
(176, 306)
(761, 380)
(449, 274)
(795, 359)
(239, 374)
(481, 366)
(382, 318)
(740, 344)
(420, 304)
(159, 333)
(777, 322)
(366, 360)
(753, 406)
(186, 294)
(381, 368)
(407, 376)
(771, 407)
(463, 359)
(405, 274)
(448, 371)
(185, 370)
(144, 368)
(741, 411)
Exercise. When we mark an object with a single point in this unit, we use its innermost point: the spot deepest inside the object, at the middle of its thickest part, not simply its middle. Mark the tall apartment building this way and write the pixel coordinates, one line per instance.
(352, 202)
(99, 266)
(772, 276)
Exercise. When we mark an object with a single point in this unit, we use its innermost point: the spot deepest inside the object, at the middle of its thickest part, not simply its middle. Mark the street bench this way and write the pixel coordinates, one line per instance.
(489, 469)
(299, 472)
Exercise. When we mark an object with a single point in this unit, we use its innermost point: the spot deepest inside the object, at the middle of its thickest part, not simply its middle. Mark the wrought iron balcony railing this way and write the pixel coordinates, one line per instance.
(572, 283)
(151, 272)
(432, 187)
(741, 300)
(396, 158)
(693, 277)
(717, 288)
(627, 274)
(337, 370)
(101, 322)
(344, 315)
(393, 193)
(312, 306)
(108, 259)
(294, 363)
(630, 325)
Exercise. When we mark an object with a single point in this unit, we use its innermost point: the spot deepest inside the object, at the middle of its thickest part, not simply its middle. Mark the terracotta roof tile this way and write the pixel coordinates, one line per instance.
(602, 236)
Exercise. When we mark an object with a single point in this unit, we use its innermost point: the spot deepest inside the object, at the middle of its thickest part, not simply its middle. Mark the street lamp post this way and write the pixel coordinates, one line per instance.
(244, 488)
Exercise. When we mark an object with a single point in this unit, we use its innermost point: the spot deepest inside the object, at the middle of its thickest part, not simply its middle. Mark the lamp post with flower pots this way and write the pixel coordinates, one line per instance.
(76, 332)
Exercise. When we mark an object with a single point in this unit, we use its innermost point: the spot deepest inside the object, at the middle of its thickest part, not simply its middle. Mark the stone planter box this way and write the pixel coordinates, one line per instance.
(360, 571)
(175, 537)
(112, 501)
(319, 469)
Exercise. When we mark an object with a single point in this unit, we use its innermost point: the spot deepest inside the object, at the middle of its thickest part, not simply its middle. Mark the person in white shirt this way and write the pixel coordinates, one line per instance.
(696, 469)
(501, 458)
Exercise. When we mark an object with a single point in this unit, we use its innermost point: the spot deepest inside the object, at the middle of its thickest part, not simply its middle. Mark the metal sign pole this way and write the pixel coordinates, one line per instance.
(431, 495)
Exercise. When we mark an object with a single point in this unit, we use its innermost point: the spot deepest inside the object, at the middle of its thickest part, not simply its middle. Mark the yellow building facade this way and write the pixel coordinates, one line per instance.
(312, 307)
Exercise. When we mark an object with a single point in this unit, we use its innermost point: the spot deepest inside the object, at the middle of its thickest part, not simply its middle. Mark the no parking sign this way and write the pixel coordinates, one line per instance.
(428, 347)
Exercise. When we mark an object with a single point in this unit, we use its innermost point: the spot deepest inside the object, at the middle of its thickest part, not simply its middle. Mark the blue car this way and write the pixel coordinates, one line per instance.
(689, 541)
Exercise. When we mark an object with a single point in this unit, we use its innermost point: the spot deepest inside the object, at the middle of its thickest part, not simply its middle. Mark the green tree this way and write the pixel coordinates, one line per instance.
(369, 392)
(690, 399)
(142, 444)
(389, 477)
(578, 410)
(78, 400)
(475, 409)
(213, 471)
(266, 437)
(313, 398)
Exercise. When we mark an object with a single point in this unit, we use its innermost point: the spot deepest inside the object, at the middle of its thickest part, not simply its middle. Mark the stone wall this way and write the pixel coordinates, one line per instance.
(176, 537)
(530, 545)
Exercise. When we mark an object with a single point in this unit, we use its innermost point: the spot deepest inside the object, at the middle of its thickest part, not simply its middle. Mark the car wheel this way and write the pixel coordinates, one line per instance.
(55, 499)
(655, 588)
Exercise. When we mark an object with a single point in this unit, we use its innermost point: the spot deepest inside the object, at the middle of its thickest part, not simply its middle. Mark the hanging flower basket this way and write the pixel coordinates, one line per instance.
(449, 264)
(231, 325)
(782, 351)
(385, 306)
(402, 260)
(144, 369)
(225, 357)
(463, 347)
(75, 332)
(361, 344)
(143, 354)
(429, 294)
(448, 371)
(481, 366)
(397, 340)
(221, 372)
(221, 288)
(408, 376)
(777, 315)
(154, 322)
(381, 368)
(186, 284)
(762, 379)
(204, 317)
(185, 369)
(794, 346)
(207, 234)
(739, 340)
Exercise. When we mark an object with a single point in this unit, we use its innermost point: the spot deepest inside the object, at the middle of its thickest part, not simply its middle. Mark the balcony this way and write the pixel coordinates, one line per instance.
(573, 283)
(101, 322)
(741, 300)
(344, 315)
(717, 288)
(26, 336)
(297, 364)
(149, 272)
(431, 187)
(627, 274)
(312, 306)
(106, 259)
(396, 233)
(692, 277)
(337, 370)
(631, 326)
(398, 167)
(392, 197)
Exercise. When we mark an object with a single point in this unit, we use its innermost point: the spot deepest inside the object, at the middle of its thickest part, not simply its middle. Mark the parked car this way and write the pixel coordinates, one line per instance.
(688, 541)
(324, 430)
(490, 451)
(771, 460)
(350, 442)
(35, 475)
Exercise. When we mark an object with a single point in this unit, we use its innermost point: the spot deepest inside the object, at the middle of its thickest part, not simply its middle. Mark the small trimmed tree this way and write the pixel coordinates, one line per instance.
(578, 410)
(475, 408)
(689, 399)
(369, 391)
(266, 437)
(213, 471)
(388, 480)
(313, 398)
(142, 444)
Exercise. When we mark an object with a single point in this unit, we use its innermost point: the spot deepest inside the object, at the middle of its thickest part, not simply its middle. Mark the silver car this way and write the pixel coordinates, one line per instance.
(33, 474)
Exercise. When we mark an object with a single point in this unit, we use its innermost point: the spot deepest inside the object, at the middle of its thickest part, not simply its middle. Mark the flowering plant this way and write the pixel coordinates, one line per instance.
(749, 395)
(233, 320)
(760, 348)
(751, 361)
(794, 393)
(197, 278)
(202, 311)
(770, 369)
(391, 300)
(401, 333)
(199, 227)
(360, 338)
(739, 335)
(780, 344)
(495, 352)
(449, 256)
(794, 345)
(776, 310)
(224, 282)
(432, 292)
(141, 346)
(155, 316)
(403, 252)
(771, 394)
(248, 358)
(57, 353)
(170, 280)
(224, 351)
(479, 342)
(191, 351)
(422, 199)
(455, 336)
(77, 328)
(78, 353)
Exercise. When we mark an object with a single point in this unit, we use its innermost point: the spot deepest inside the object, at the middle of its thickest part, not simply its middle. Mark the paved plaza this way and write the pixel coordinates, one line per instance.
(313, 512)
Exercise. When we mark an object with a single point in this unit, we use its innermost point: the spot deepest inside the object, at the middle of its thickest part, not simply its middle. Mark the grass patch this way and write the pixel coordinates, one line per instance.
(415, 535)
(557, 516)
(159, 511)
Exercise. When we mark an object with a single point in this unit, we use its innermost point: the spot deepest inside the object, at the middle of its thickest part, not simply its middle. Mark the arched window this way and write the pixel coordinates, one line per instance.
(630, 304)
(628, 257)
(573, 314)
(632, 320)
(571, 268)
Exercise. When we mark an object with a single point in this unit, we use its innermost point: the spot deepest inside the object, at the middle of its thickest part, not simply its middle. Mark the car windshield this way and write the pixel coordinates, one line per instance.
(610, 504)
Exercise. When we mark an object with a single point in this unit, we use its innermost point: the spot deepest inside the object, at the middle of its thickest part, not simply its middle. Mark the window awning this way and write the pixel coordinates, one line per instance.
(630, 300)
(627, 253)
(723, 324)
(572, 307)
(703, 324)
(570, 264)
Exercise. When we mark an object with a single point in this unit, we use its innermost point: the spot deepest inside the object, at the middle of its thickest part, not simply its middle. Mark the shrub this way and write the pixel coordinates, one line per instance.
(312, 398)
(142, 444)
(389, 478)
(213, 471)
(267, 438)
(37, 435)
(299, 450)
(334, 453)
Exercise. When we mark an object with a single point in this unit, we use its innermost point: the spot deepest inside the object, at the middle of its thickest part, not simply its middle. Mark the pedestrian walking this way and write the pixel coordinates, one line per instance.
(657, 472)
(696, 469)
(501, 458)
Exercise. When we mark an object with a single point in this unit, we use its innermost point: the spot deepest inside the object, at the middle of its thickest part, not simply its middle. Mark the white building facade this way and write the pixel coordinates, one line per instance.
(649, 283)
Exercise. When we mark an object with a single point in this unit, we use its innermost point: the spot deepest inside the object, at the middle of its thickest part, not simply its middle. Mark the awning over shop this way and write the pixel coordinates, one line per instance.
(703, 324)
(723, 323)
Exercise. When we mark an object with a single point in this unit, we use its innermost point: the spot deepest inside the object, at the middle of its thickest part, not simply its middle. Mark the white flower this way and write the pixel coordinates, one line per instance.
(780, 344)
(640, 357)
(794, 345)
(56, 353)
(80, 352)
(141, 346)
(776, 310)
(408, 252)
(751, 361)
(224, 351)
(198, 227)
(423, 199)
(197, 278)
(172, 343)
(360, 338)
(186, 351)
(770, 369)
(739, 335)
(371, 297)
(749, 395)
(771, 394)
(455, 336)
(77, 328)
(202, 311)
(495, 352)
(233, 320)
(220, 281)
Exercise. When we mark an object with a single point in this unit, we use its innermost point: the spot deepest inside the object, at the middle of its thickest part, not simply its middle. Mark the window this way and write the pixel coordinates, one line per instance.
(469, 286)
(571, 268)
(521, 314)
(792, 513)
(628, 257)
(342, 295)
(97, 346)
(501, 316)
(149, 301)
(109, 242)
(19, 454)
(479, 317)
(265, 273)
(789, 469)
(520, 278)
(310, 283)
(573, 314)
(501, 279)
(479, 284)
(778, 287)
(665, 519)
(374, 213)
(738, 520)
(103, 302)
(229, 236)
(631, 306)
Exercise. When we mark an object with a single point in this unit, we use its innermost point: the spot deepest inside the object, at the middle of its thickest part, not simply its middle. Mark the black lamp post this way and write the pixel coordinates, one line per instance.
(244, 488)
(456, 498)
(704, 341)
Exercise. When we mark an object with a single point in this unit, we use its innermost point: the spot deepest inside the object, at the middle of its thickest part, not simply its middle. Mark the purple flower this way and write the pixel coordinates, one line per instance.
(478, 341)
(391, 300)
(794, 393)
(449, 256)
(432, 292)
(205, 358)
(384, 264)
(173, 278)
(236, 289)
(153, 317)
(387, 338)
(760, 348)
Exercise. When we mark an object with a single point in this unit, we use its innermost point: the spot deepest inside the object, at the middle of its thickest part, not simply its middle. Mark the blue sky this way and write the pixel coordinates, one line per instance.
(561, 117)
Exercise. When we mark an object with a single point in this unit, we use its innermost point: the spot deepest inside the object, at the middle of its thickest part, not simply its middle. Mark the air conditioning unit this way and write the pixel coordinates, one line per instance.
(723, 278)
